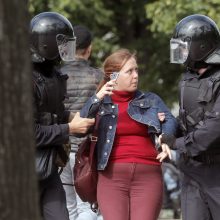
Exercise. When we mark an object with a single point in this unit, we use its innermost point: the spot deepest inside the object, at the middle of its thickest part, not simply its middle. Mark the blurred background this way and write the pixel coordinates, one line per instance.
(144, 26)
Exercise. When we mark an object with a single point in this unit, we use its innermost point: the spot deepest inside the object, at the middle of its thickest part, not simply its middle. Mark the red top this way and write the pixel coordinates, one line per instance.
(132, 142)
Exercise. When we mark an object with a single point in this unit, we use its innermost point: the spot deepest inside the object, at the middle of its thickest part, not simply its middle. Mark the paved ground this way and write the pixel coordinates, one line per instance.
(164, 215)
(167, 214)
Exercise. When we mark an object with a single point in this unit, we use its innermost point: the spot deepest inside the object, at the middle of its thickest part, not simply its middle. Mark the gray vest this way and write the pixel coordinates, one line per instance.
(81, 85)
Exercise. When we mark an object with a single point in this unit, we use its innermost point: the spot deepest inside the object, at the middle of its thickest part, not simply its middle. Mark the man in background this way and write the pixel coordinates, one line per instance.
(81, 84)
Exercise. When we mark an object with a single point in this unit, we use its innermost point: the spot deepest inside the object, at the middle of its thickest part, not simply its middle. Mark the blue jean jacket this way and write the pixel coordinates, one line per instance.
(143, 108)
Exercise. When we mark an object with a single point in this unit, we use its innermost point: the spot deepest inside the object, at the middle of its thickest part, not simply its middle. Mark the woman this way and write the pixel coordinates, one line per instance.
(130, 179)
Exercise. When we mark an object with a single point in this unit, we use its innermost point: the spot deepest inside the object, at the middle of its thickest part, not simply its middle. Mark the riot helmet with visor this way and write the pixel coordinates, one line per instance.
(195, 42)
(52, 37)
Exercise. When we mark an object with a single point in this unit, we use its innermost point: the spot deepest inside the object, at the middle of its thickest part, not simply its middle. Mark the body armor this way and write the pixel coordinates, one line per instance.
(197, 96)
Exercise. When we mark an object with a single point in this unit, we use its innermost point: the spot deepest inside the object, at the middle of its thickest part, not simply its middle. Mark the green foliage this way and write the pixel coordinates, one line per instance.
(91, 13)
(165, 14)
(142, 26)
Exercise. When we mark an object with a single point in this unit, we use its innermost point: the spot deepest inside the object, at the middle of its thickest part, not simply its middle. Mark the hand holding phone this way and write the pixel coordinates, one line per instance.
(114, 76)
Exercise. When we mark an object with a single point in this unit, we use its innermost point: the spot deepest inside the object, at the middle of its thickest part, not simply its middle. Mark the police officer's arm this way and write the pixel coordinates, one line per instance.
(169, 125)
(80, 125)
(205, 136)
(57, 134)
(51, 134)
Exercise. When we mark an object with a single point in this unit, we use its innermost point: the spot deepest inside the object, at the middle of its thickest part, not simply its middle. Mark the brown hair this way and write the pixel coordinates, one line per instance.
(114, 63)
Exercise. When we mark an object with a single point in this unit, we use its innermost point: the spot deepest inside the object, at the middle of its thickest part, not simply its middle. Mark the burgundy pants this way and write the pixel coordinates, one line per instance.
(130, 191)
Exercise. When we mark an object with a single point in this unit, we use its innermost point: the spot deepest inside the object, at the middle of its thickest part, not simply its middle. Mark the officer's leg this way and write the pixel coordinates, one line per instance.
(213, 198)
(193, 202)
(54, 200)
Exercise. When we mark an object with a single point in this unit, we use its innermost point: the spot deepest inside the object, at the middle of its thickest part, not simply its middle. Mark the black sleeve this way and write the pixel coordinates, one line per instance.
(54, 134)
(51, 135)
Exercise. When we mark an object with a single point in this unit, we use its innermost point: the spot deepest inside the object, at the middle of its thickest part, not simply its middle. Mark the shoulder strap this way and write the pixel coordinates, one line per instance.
(182, 88)
(182, 110)
(94, 136)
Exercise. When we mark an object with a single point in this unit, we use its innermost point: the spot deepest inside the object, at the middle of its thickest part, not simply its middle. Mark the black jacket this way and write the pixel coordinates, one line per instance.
(50, 117)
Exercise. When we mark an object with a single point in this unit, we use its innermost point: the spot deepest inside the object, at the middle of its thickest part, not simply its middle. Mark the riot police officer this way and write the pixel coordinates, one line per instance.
(196, 44)
(52, 39)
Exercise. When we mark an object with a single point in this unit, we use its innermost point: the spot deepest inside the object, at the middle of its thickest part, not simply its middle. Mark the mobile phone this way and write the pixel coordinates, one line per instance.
(114, 75)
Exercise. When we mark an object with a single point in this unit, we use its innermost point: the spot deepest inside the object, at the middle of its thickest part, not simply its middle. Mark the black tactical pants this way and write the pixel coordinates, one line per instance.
(200, 199)
(53, 199)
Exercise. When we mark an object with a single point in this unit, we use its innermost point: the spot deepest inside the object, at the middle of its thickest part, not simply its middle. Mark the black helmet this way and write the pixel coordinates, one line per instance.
(195, 42)
(52, 37)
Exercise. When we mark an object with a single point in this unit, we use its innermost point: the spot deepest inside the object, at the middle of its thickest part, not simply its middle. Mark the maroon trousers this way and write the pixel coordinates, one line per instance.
(130, 191)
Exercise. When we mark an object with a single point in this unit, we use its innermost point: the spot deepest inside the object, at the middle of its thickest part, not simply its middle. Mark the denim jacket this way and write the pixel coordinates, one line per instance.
(143, 108)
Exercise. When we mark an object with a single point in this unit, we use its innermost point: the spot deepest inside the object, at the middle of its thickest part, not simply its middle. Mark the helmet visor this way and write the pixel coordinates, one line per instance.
(179, 51)
(66, 46)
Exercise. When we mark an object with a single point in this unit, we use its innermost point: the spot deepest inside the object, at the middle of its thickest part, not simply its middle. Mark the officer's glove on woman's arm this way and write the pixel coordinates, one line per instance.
(168, 139)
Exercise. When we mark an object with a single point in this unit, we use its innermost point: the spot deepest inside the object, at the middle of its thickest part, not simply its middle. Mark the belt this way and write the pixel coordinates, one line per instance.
(208, 158)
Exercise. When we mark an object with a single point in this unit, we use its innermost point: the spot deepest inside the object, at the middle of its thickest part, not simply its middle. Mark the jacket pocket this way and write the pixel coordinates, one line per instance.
(143, 103)
(105, 111)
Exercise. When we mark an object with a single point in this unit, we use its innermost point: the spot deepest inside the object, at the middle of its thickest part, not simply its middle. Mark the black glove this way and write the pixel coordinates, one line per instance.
(168, 139)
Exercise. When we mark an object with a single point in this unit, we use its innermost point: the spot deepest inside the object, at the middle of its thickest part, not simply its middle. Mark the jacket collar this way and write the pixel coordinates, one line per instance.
(191, 74)
(138, 94)
(78, 62)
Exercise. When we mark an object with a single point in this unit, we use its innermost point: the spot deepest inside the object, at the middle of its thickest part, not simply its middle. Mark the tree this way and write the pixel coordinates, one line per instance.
(18, 182)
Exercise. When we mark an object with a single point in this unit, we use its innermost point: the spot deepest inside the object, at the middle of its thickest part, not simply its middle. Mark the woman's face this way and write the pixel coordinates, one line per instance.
(128, 77)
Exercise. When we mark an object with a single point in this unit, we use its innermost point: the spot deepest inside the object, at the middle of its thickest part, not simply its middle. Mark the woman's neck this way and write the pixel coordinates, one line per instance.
(122, 96)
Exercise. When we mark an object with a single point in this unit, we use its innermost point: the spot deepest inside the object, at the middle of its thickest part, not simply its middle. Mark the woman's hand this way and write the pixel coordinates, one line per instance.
(161, 116)
(106, 89)
(164, 153)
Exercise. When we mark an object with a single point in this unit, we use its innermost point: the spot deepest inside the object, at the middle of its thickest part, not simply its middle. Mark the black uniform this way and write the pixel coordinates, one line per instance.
(200, 145)
(196, 44)
(51, 133)
(51, 40)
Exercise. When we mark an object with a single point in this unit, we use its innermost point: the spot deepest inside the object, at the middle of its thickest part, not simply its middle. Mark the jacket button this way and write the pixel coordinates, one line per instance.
(110, 127)
(96, 100)
(108, 141)
(113, 106)
(102, 112)
(105, 154)
(113, 116)
(141, 104)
